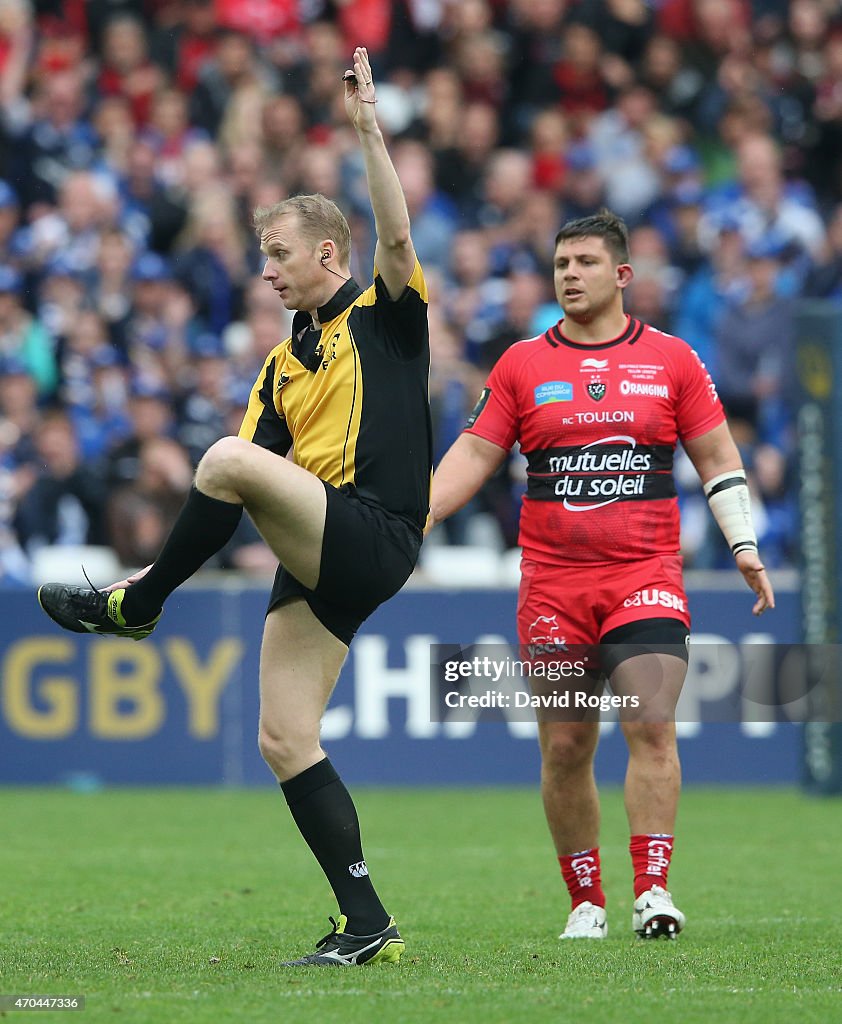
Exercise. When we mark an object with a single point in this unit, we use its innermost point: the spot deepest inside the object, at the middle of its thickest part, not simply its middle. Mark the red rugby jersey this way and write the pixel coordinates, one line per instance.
(598, 425)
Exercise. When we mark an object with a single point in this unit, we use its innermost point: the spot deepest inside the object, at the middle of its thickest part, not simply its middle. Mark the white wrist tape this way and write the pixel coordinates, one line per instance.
(729, 500)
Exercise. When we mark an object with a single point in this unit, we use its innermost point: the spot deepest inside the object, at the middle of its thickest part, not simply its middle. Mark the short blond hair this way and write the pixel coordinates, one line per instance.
(318, 217)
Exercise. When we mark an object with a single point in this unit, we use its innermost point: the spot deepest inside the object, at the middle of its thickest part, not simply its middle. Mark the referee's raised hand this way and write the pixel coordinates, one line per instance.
(359, 92)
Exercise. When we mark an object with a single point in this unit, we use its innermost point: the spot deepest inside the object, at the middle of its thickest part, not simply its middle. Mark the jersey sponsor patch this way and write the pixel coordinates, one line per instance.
(611, 469)
(593, 365)
(650, 390)
(553, 391)
(477, 409)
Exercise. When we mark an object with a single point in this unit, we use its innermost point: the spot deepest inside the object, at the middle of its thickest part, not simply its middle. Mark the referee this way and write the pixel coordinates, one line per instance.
(347, 395)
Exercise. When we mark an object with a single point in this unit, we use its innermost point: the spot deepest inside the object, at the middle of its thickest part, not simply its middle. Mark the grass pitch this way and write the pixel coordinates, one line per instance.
(175, 906)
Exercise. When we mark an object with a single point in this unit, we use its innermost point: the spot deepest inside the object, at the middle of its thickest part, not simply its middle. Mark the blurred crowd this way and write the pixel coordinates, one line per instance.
(137, 137)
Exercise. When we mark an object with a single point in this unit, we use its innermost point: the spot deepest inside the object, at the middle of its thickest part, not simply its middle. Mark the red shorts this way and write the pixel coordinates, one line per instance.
(579, 605)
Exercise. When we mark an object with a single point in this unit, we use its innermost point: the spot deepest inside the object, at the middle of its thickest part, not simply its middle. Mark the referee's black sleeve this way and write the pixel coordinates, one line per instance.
(404, 318)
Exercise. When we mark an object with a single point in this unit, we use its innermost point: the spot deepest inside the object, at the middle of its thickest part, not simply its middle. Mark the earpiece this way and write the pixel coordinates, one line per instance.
(326, 256)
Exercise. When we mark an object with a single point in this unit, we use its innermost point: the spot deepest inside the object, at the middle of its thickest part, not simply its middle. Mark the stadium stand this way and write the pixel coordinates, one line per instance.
(136, 137)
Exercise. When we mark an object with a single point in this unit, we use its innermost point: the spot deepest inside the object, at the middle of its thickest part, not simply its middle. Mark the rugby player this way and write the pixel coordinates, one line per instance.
(597, 404)
(347, 395)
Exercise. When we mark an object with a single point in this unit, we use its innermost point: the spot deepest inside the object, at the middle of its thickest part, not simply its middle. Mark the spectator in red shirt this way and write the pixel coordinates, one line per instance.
(262, 20)
(126, 67)
(582, 89)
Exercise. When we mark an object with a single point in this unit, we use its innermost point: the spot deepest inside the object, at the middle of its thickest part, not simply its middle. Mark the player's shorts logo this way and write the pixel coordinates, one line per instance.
(544, 630)
(544, 636)
(654, 598)
(596, 389)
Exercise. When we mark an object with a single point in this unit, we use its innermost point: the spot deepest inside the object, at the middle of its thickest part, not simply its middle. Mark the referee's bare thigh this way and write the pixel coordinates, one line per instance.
(286, 502)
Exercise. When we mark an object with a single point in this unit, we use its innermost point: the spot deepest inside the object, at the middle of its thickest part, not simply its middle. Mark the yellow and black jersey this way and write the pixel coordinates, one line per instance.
(351, 399)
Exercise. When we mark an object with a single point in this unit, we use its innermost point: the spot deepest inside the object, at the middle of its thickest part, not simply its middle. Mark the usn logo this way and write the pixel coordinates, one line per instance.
(553, 391)
(656, 598)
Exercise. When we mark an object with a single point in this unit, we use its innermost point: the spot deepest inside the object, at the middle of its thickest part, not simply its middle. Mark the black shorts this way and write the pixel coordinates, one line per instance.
(645, 636)
(367, 556)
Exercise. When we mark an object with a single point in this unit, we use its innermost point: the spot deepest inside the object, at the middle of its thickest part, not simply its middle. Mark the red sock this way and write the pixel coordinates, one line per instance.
(581, 872)
(650, 856)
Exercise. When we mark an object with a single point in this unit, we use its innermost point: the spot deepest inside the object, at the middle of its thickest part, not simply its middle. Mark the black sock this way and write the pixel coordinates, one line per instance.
(204, 526)
(324, 812)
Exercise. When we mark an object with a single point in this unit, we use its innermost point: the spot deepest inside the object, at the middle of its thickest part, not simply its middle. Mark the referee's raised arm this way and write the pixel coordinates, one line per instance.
(394, 255)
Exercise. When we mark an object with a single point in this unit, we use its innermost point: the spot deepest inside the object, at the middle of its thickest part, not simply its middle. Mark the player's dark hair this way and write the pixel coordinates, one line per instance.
(605, 225)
